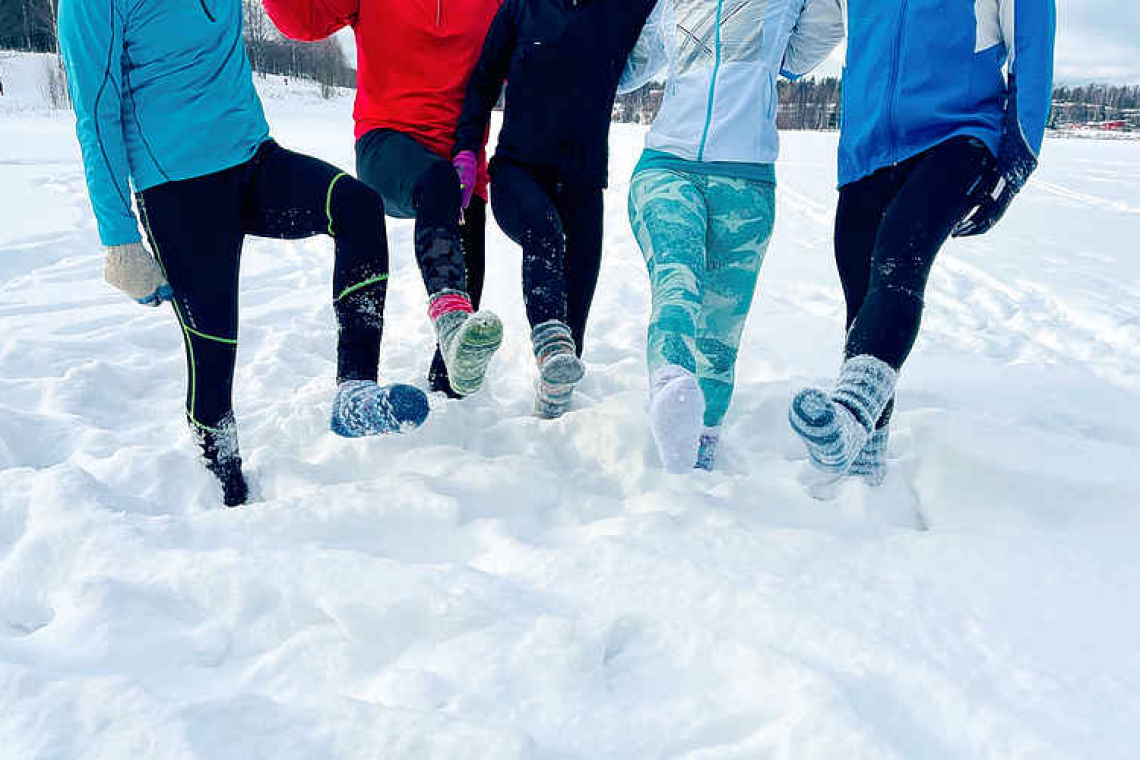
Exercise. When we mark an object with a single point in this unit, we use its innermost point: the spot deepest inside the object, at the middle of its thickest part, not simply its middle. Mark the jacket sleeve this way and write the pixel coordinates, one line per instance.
(1029, 29)
(312, 20)
(649, 56)
(91, 43)
(818, 30)
(487, 78)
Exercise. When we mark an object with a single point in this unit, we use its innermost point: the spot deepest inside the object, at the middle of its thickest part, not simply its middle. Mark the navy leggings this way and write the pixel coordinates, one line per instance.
(197, 227)
(560, 230)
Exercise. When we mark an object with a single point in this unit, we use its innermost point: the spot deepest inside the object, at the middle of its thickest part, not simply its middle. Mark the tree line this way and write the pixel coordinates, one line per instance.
(29, 25)
(817, 104)
(805, 104)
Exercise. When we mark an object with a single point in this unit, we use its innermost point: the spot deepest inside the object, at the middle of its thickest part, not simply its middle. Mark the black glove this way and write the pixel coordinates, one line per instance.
(991, 197)
(997, 187)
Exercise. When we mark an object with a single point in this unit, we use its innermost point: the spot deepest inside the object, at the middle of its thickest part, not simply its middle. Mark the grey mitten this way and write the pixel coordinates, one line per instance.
(132, 269)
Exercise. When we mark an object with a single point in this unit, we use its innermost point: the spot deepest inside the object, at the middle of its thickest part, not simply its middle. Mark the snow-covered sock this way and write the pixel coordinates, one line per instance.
(871, 463)
(219, 445)
(466, 340)
(363, 408)
(706, 454)
(559, 368)
(836, 426)
(676, 416)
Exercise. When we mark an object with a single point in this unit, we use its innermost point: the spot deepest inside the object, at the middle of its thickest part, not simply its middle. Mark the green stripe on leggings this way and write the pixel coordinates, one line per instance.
(328, 201)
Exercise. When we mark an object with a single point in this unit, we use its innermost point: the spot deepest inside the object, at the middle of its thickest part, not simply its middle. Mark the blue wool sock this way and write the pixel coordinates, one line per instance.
(871, 463)
(706, 454)
(836, 426)
(363, 408)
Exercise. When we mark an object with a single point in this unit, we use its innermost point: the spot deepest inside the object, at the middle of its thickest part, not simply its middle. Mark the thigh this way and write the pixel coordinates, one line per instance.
(669, 216)
(933, 197)
(473, 236)
(195, 229)
(392, 163)
(583, 218)
(522, 206)
(858, 216)
(289, 195)
(741, 219)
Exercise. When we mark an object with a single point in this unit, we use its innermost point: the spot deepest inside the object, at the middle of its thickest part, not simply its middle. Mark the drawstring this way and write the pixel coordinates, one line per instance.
(206, 10)
(439, 12)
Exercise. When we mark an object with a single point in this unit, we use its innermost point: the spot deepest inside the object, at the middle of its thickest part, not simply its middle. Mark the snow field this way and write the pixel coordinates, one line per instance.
(496, 586)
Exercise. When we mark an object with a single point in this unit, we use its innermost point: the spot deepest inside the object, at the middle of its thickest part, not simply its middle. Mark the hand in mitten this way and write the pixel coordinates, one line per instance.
(132, 269)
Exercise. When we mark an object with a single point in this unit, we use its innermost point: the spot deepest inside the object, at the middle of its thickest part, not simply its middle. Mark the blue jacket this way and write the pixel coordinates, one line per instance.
(162, 91)
(922, 71)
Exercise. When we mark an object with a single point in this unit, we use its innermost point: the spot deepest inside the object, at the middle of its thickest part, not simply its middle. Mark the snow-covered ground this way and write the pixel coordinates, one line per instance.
(494, 586)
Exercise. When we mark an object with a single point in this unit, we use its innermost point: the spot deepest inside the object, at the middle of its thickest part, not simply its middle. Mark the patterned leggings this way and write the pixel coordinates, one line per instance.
(704, 238)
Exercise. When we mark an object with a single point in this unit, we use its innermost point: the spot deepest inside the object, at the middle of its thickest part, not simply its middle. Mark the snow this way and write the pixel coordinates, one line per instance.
(496, 586)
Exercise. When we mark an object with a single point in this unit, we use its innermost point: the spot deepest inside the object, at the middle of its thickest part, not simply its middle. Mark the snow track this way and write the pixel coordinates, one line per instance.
(495, 586)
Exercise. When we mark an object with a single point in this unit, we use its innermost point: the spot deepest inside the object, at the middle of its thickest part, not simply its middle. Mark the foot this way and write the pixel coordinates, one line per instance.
(219, 446)
(559, 368)
(871, 464)
(363, 408)
(676, 417)
(467, 340)
(706, 453)
(835, 427)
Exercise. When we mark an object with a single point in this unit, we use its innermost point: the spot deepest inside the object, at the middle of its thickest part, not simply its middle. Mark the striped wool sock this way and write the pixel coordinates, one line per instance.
(871, 463)
(559, 368)
(706, 454)
(836, 426)
(466, 340)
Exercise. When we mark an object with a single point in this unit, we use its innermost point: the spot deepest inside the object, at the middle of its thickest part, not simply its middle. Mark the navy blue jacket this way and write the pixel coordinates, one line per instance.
(562, 60)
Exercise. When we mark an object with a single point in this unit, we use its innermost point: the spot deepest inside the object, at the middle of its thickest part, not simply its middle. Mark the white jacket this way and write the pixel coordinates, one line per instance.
(723, 57)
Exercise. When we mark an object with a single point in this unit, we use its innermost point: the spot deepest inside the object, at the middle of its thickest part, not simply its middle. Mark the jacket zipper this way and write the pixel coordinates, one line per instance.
(206, 10)
(712, 87)
(892, 97)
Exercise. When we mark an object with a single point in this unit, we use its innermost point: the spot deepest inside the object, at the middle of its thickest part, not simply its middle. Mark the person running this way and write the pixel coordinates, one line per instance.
(936, 142)
(702, 198)
(164, 101)
(561, 60)
(413, 61)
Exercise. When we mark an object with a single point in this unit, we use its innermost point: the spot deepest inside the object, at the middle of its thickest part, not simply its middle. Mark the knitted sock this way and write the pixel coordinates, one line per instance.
(363, 408)
(676, 416)
(836, 426)
(467, 341)
(706, 454)
(559, 368)
(219, 446)
(871, 463)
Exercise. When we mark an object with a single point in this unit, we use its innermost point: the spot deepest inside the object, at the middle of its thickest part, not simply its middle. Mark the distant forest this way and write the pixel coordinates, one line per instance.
(806, 104)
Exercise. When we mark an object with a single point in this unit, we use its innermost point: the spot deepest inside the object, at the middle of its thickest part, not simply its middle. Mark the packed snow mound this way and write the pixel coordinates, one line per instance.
(496, 586)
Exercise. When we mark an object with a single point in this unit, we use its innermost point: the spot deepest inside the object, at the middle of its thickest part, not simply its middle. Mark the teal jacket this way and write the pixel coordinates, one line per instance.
(162, 91)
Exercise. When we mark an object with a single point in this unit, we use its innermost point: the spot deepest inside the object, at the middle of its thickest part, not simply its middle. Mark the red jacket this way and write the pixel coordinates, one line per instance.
(414, 58)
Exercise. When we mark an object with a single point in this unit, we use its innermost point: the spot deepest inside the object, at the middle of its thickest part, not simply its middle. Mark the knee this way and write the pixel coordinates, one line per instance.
(351, 200)
(441, 184)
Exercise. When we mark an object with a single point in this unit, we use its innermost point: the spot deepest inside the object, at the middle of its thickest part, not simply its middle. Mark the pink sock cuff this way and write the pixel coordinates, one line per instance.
(448, 302)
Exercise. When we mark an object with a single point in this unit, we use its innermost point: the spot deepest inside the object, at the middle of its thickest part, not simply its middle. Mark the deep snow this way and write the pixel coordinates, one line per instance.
(495, 586)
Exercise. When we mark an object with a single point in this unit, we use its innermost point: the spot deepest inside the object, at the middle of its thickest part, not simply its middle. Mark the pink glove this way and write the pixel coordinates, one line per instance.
(466, 166)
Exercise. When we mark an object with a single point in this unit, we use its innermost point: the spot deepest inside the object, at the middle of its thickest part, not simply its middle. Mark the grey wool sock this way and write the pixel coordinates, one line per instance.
(835, 426)
(559, 368)
(467, 341)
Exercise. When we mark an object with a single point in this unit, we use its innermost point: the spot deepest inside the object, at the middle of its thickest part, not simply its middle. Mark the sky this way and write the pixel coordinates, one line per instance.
(1097, 41)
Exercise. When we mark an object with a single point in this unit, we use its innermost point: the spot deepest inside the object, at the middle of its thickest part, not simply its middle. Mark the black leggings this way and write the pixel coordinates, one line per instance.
(416, 183)
(560, 231)
(197, 226)
(889, 228)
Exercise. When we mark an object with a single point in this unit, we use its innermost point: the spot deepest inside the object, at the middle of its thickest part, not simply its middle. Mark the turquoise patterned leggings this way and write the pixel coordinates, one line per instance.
(704, 238)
